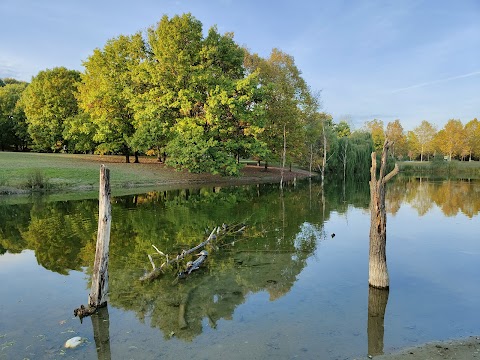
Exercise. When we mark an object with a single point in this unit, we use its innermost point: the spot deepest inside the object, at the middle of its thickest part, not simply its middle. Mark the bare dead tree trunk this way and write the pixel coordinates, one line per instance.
(284, 154)
(311, 160)
(99, 290)
(378, 272)
(377, 303)
(324, 161)
(344, 156)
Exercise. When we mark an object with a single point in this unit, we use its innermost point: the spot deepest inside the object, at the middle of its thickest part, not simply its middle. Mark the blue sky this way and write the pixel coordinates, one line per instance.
(408, 60)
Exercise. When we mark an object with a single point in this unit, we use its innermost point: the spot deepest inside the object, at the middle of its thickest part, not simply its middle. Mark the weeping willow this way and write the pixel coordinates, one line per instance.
(354, 157)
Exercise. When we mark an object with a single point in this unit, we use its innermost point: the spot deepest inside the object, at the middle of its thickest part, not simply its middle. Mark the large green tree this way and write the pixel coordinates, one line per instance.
(195, 103)
(13, 127)
(166, 77)
(48, 100)
(106, 89)
(290, 106)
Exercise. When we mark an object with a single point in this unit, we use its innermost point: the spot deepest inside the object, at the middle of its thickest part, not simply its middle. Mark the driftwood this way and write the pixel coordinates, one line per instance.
(216, 233)
(194, 265)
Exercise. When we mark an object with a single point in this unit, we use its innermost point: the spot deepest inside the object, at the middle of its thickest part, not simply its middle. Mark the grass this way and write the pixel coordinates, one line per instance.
(26, 172)
(452, 169)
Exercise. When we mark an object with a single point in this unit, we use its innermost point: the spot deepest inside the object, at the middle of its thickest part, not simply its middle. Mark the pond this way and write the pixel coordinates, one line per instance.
(293, 285)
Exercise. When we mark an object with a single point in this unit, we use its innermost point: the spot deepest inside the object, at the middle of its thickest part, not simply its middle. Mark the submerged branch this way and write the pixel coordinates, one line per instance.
(214, 235)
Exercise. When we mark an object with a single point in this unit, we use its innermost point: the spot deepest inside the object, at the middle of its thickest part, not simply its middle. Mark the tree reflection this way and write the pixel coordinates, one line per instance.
(377, 303)
(101, 333)
(452, 197)
(283, 232)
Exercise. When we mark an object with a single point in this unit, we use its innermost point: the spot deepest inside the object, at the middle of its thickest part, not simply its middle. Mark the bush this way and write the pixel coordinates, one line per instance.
(36, 180)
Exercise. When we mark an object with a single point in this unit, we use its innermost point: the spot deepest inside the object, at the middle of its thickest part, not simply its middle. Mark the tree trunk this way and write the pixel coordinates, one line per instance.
(324, 161)
(136, 157)
(284, 154)
(378, 272)
(99, 290)
(311, 159)
(377, 303)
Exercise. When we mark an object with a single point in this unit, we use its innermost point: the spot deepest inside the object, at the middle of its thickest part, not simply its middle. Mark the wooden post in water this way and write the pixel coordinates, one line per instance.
(377, 264)
(99, 290)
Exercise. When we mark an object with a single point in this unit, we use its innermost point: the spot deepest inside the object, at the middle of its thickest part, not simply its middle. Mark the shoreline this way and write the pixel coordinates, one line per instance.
(163, 177)
(463, 349)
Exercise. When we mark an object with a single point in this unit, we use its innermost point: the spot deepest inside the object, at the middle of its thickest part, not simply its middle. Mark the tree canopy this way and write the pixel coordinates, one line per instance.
(13, 128)
(201, 102)
(48, 100)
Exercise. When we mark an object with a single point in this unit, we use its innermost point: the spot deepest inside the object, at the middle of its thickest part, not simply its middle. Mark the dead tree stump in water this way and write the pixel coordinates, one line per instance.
(99, 289)
(377, 265)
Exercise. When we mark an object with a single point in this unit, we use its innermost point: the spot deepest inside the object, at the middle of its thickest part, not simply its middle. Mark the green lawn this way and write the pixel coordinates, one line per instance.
(442, 168)
(24, 172)
(68, 171)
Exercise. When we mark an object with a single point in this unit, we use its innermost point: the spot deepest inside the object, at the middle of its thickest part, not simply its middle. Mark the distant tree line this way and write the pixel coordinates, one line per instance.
(454, 141)
(197, 102)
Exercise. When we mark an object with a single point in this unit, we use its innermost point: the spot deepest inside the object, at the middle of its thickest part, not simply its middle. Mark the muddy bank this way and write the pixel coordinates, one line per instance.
(468, 348)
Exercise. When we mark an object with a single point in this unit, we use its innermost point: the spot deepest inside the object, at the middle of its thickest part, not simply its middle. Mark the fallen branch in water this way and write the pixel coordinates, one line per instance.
(216, 233)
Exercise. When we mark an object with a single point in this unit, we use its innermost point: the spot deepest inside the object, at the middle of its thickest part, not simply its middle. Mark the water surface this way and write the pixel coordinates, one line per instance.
(285, 289)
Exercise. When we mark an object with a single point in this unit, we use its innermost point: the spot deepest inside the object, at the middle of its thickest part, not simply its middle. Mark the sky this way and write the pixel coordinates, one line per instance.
(410, 60)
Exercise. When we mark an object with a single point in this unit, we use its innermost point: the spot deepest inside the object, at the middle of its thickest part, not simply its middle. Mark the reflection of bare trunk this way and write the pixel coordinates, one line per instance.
(378, 272)
(377, 303)
(101, 333)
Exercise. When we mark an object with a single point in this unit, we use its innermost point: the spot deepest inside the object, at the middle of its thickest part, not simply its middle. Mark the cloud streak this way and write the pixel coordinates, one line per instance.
(428, 83)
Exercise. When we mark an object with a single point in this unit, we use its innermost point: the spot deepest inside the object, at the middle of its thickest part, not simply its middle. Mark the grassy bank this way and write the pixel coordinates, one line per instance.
(451, 169)
(27, 172)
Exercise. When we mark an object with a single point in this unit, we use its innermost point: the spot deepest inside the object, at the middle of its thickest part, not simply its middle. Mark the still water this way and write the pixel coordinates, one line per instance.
(293, 286)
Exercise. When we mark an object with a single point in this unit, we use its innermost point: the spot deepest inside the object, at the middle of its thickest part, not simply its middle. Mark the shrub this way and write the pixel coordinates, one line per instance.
(36, 180)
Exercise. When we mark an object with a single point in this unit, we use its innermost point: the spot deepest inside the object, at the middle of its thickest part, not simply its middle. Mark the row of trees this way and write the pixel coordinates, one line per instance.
(454, 140)
(199, 102)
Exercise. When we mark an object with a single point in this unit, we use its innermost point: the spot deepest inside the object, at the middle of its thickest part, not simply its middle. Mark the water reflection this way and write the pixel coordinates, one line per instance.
(284, 232)
(377, 303)
(451, 196)
(101, 333)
